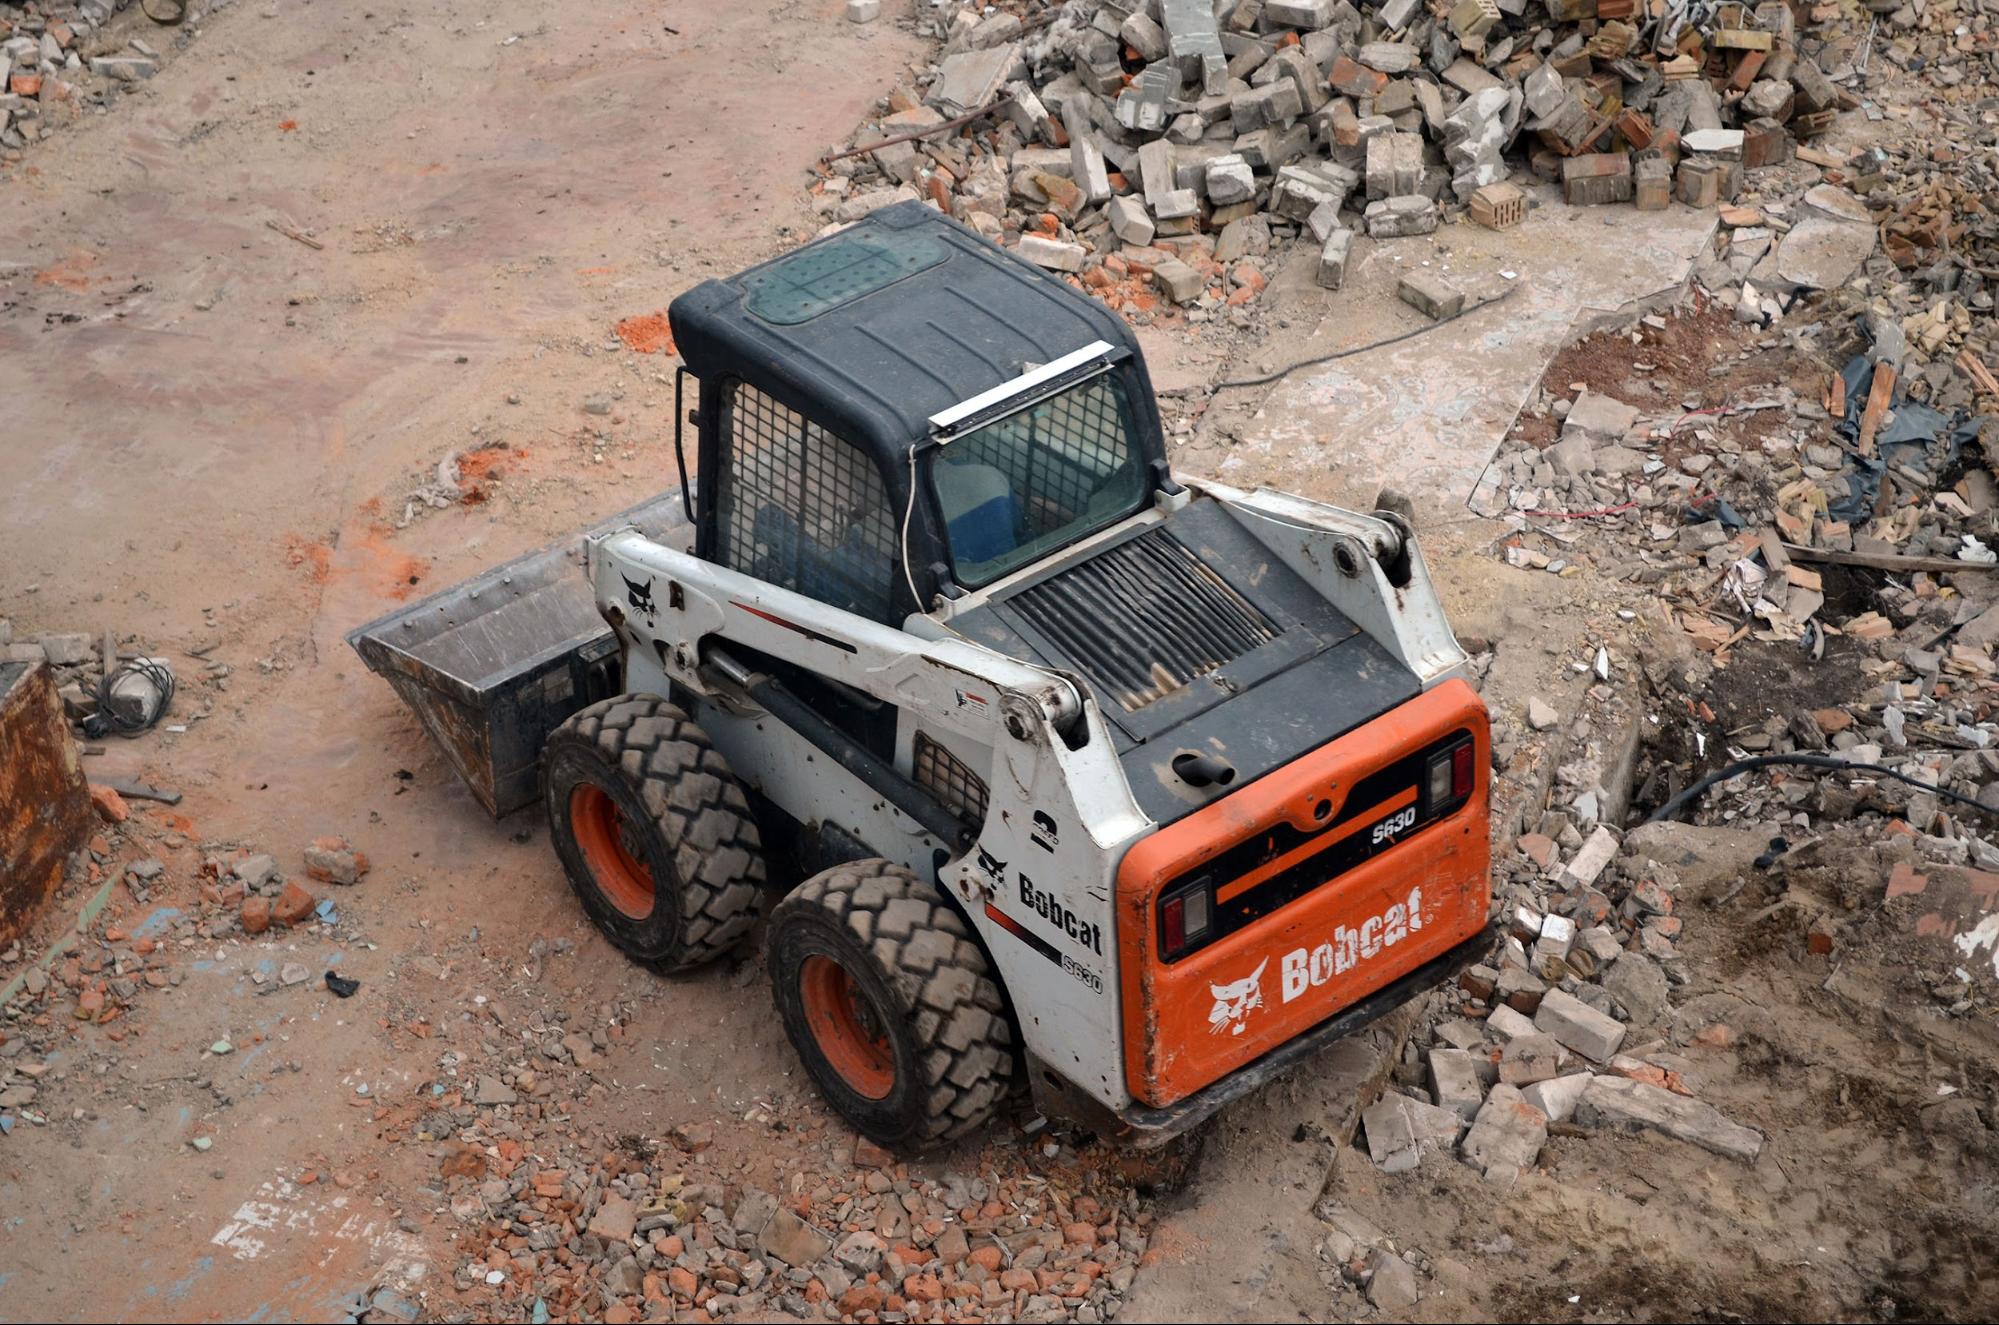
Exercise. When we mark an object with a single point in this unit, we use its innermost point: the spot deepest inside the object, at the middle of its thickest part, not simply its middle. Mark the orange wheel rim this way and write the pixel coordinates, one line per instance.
(847, 1028)
(610, 848)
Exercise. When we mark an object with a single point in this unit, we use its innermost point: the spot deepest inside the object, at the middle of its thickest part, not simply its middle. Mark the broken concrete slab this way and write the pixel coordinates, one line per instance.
(1602, 419)
(1388, 416)
(970, 79)
(1634, 1105)
(1831, 240)
(1401, 1131)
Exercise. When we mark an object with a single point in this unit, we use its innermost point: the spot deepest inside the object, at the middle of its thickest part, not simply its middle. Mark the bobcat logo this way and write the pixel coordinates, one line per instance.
(1234, 1003)
(640, 596)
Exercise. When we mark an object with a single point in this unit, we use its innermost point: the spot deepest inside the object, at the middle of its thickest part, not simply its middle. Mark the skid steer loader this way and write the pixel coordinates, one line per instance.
(1133, 790)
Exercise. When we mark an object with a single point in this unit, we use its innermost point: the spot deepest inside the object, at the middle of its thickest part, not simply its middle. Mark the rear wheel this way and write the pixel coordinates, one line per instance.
(653, 831)
(890, 1004)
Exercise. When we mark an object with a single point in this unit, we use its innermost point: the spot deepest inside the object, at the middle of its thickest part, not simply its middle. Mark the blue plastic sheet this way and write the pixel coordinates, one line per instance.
(1918, 438)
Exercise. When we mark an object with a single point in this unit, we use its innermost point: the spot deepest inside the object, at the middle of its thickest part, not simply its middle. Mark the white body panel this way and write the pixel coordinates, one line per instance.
(1058, 819)
(1308, 535)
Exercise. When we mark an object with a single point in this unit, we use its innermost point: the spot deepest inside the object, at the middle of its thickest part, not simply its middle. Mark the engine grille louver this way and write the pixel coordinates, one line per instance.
(1145, 618)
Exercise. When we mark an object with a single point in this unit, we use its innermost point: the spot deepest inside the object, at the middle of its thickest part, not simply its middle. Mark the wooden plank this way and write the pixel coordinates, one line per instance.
(1774, 555)
(1878, 395)
(1976, 370)
(1888, 561)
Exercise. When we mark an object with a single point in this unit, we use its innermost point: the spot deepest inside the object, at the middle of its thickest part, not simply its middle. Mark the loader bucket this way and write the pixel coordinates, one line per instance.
(494, 664)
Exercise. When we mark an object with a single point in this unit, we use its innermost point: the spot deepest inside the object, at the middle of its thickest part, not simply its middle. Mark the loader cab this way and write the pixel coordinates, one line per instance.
(902, 412)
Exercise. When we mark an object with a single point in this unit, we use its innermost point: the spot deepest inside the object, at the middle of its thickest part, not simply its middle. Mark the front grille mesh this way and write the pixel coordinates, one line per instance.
(1144, 618)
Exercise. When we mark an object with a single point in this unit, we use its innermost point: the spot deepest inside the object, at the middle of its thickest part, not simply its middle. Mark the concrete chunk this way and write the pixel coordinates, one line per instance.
(1431, 295)
(1577, 1025)
(1633, 1105)
(1334, 257)
(1307, 15)
(970, 79)
(1589, 862)
(1129, 221)
(1053, 254)
(1087, 168)
(1229, 179)
(1558, 1096)
(1401, 1131)
(1181, 282)
(1507, 1136)
(1530, 1058)
(1602, 419)
(1394, 164)
(1392, 218)
(1455, 1083)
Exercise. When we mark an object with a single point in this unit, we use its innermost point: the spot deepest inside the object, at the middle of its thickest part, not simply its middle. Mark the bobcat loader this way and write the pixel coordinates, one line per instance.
(1135, 790)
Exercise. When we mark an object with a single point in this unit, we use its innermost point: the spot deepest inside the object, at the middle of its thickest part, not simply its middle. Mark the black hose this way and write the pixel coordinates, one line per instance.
(1673, 806)
(112, 717)
(1288, 369)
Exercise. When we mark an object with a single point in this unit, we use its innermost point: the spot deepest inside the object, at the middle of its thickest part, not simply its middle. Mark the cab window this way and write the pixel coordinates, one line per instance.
(799, 507)
(1025, 485)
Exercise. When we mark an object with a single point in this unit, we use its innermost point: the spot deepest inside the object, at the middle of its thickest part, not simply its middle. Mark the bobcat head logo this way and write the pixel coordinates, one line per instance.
(640, 595)
(1234, 1002)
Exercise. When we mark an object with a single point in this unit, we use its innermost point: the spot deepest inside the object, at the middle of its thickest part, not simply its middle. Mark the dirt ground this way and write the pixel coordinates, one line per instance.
(215, 456)
(219, 441)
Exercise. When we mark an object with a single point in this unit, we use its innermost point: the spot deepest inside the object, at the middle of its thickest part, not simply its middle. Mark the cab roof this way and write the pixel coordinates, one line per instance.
(871, 331)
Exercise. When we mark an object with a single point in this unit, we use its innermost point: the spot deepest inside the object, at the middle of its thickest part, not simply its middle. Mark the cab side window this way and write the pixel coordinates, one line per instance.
(799, 507)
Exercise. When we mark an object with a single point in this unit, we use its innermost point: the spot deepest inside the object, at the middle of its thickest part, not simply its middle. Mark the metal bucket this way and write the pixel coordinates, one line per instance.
(494, 664)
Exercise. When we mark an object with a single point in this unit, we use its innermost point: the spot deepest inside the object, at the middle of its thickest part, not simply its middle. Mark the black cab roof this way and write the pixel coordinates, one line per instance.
(873, 330)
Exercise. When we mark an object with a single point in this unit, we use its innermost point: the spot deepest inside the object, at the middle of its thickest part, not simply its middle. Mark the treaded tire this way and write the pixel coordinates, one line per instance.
(653, 831)
(925, 987)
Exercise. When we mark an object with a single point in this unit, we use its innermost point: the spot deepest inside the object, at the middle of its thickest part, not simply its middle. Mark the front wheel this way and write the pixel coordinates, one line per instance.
(654, 833)
(890, 1004)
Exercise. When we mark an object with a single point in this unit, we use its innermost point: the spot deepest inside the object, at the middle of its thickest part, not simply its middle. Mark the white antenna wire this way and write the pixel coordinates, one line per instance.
(909, 509)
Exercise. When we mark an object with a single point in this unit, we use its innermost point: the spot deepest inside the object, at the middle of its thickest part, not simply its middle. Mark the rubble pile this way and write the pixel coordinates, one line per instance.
(1863, 534)
(161, 897)
(1170, 144)
(643, 1228)
(61, 57)
(111, 684)
(1569, 1024)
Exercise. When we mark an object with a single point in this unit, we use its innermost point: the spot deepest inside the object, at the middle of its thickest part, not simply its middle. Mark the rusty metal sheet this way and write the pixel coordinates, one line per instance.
(44, 800)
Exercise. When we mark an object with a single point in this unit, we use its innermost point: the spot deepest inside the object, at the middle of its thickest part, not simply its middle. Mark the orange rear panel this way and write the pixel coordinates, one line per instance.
(1193, 1021)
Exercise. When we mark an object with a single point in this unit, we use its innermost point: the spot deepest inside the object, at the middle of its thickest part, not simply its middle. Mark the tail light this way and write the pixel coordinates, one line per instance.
(1449, 776)
(1185, 917)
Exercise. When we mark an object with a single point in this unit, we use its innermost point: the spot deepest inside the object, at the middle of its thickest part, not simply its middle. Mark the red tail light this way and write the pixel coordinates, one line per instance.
(1461, 770)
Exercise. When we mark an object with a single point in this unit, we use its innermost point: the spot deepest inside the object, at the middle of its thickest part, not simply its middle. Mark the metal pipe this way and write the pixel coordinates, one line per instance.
(680, 451)
(776, 698)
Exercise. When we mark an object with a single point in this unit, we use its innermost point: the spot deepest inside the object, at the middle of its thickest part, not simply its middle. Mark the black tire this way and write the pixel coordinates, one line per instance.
(638, 769)
(917, 980)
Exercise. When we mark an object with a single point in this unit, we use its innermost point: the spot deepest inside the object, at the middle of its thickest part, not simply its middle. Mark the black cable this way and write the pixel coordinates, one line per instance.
(1673, 806)
(110, 717)
(1286, 371)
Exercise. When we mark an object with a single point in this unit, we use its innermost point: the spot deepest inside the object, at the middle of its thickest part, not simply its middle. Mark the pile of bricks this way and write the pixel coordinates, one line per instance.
(1186, 136)
(56, 59)
(1556, 1029)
